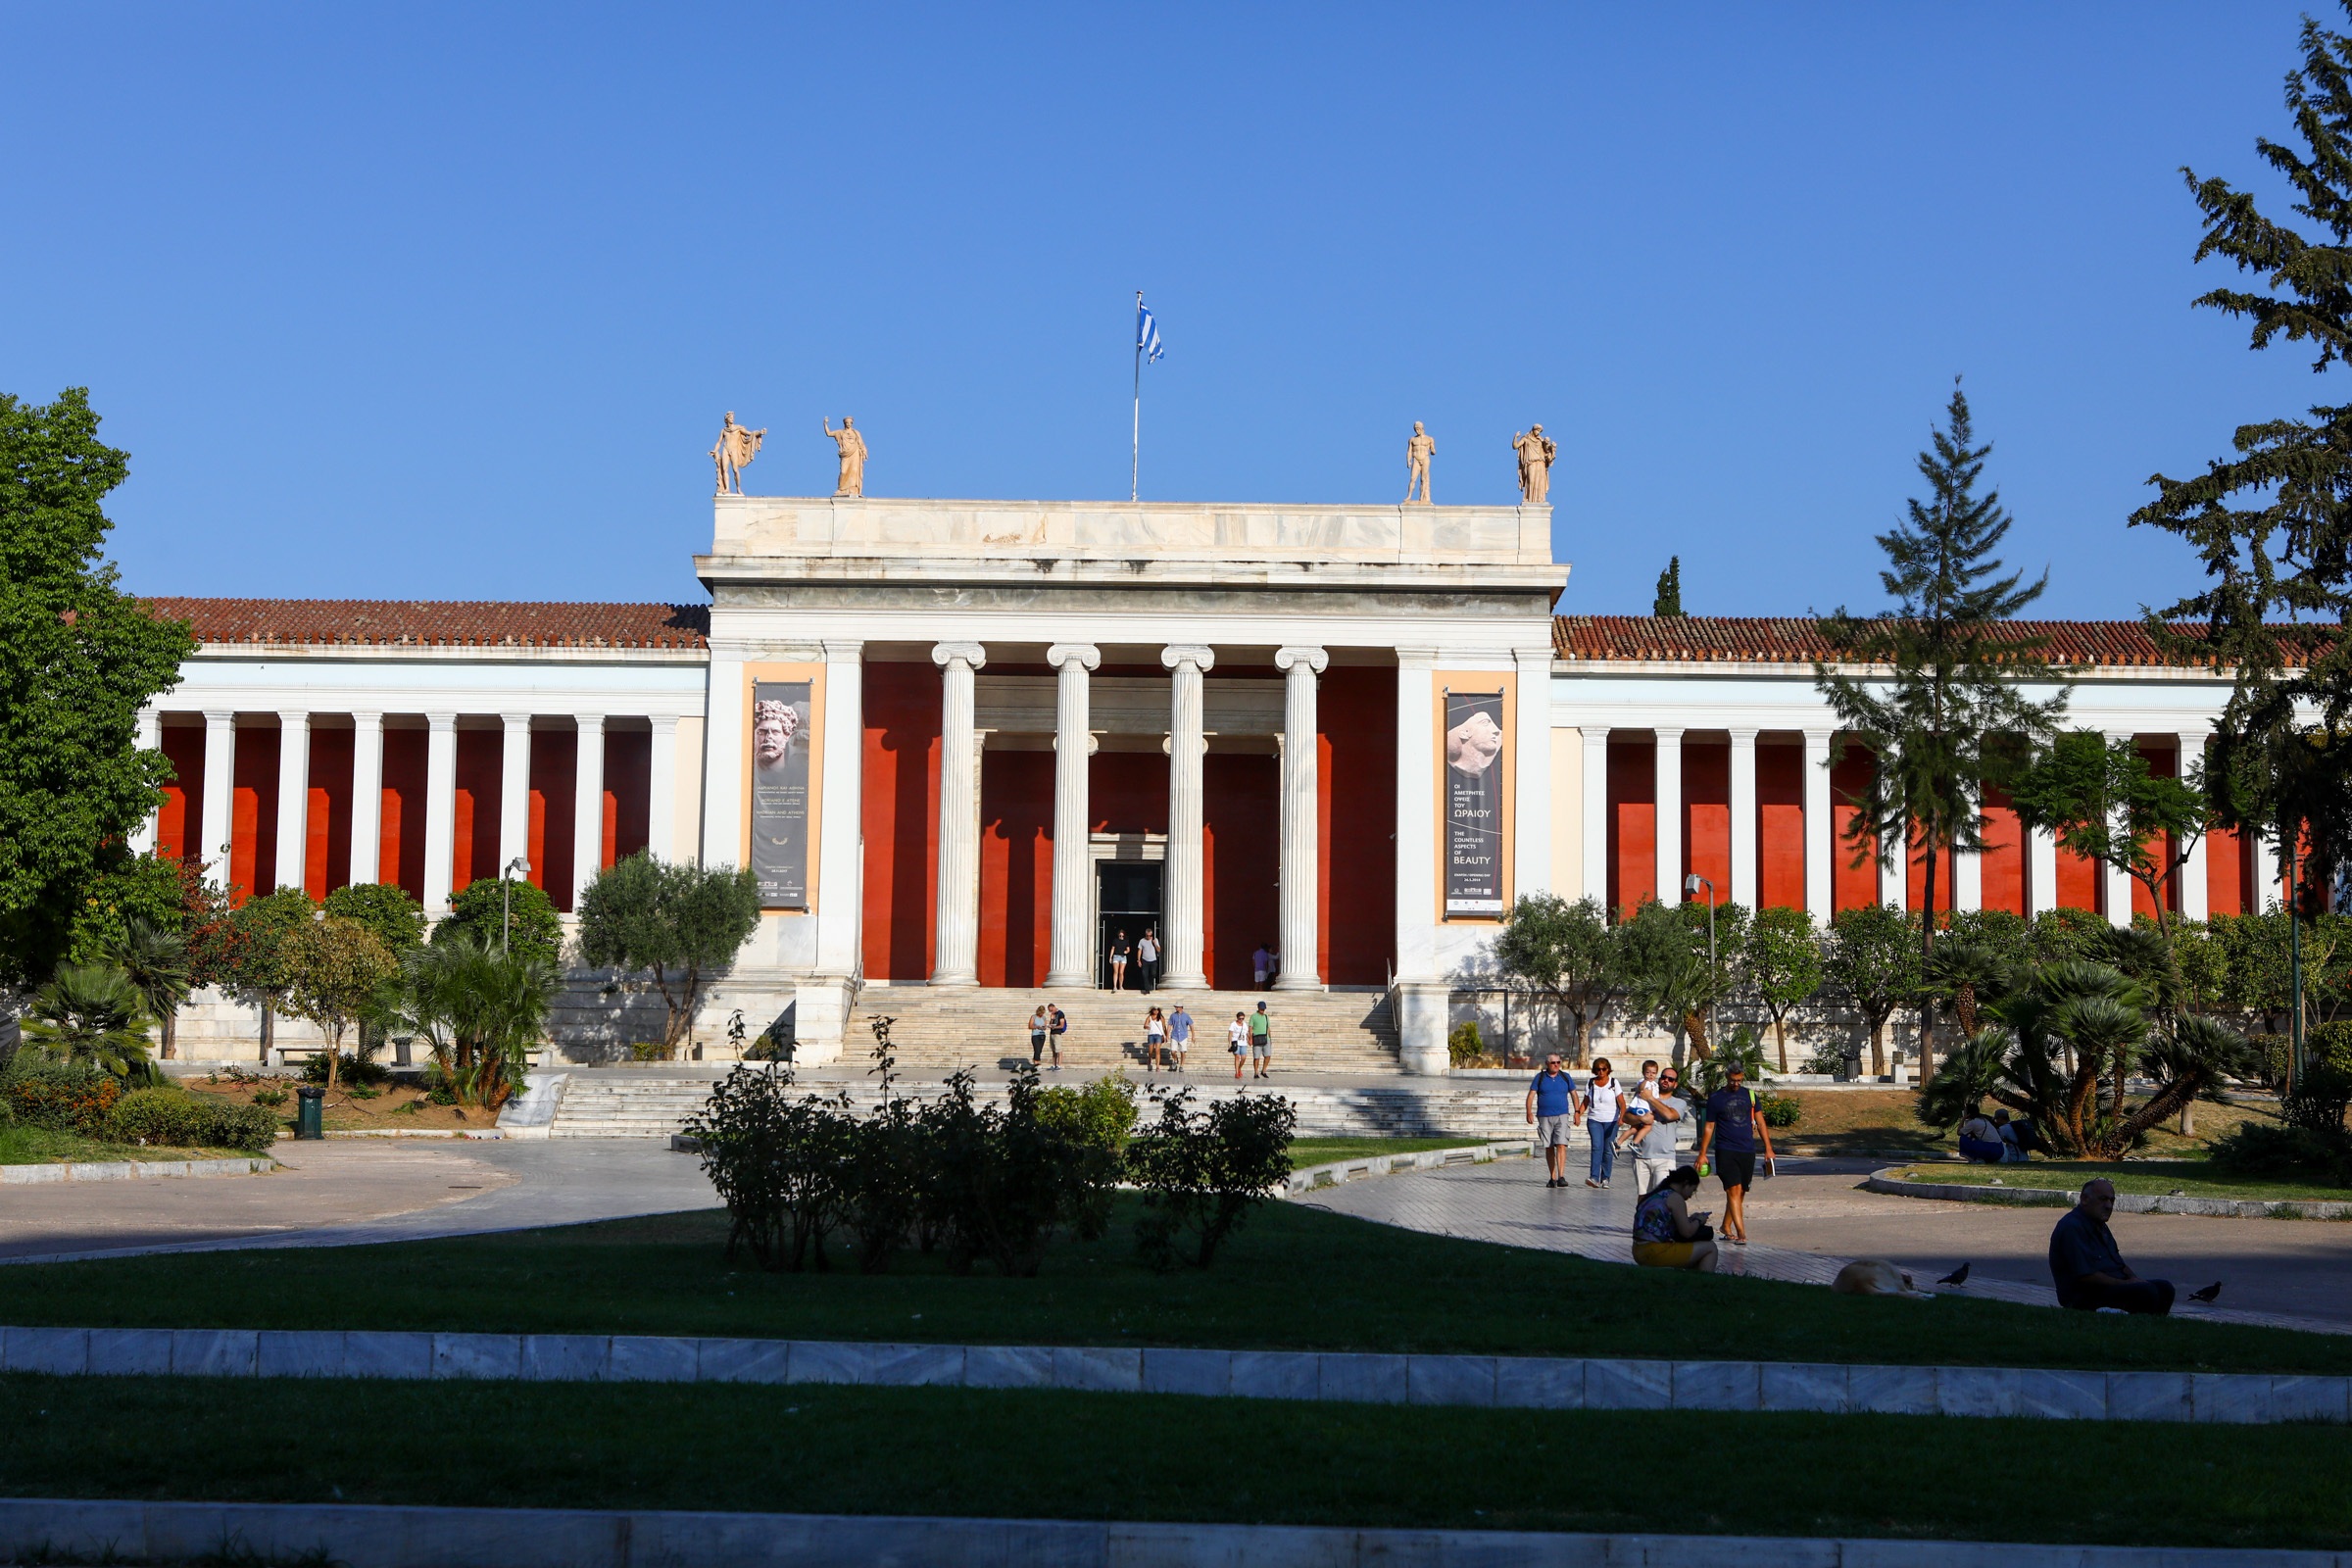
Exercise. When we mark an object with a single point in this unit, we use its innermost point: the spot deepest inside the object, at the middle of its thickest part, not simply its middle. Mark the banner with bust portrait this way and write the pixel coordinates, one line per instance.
(780, 791)
(1473, 804)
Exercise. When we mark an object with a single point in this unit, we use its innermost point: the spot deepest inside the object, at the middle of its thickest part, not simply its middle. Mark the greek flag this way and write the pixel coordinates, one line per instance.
(1147, 333)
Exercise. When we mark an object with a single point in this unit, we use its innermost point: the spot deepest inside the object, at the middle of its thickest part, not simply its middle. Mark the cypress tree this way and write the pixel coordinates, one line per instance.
(1669, 598)
(1938, 699)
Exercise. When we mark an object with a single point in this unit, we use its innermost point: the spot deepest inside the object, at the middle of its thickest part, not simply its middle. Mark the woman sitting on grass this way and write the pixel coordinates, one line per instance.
(1666, 1234)
(1981, 1141)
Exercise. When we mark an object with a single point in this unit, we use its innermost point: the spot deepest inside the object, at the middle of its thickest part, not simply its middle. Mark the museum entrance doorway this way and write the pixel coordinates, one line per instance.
(1126, 898)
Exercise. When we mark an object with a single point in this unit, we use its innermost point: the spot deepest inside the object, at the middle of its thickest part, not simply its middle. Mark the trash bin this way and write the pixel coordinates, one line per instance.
(310, 1111)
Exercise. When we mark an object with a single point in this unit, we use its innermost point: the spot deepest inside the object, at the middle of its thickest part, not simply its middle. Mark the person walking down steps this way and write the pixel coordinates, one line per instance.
(1155, 1033)
(1261, 1043)
(1236, 1041)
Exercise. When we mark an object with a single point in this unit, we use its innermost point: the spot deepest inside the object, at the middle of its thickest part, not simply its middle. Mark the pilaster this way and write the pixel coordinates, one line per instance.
(956, 962)
(1072, 962)
(1185, 876)
(1301, 821)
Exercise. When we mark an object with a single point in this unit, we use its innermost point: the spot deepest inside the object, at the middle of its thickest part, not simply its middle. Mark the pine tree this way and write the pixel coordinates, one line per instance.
(1669, 600)
(2273, 524)
(1938, 703)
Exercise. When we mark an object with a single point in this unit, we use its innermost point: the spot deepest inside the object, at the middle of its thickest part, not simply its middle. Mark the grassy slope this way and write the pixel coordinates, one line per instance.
(1306, 1152)
(2194, 1178)
(1295, 1278)
(39, 1146)
(1035, 1453)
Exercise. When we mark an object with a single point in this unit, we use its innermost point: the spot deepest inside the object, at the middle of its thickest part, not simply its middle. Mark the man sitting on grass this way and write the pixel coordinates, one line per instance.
(2090, 1271)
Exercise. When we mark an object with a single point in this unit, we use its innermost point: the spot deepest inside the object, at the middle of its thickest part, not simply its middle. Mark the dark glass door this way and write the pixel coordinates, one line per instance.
(1127, 892)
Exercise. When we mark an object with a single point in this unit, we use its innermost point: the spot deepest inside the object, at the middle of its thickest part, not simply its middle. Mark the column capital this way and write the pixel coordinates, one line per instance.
(441, 721)
(1747, 735)
(1667, 732)
(1819, 737)
(515, 721)
(843, 650)
(1200, 656)
(294, 716)
(1316, 659)
(1594, 732)
(595, 721)
(971, 654)
(663, 723)
(367, 716)
(219, 715)
(1086, 655)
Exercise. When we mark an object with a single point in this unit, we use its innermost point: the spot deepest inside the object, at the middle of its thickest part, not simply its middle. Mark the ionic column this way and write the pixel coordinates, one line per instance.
(1821, 830)
(293, 797)
(1670, 815)
(1744, 876)
(1895, 881)
(840, 893)
(1300, 866)
(367, 798)
(1968, 879)
(588, 807)
(2041, 871)
(2114, 883)
(2269, 890)
(1072, 963)
(1531, 773)
(1596, 741)
(150, 738)
(662, 790)
(220, 791)
(1183, 966)
(515, 791)
(2194, 902)
(440, 809)
(957, 958)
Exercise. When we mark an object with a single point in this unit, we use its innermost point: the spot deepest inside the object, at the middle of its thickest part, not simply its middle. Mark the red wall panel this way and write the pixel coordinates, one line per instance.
(1781, 825)
(1707, 813)
(553, 821)
(326, 851)
(1127, 792)
(900, 818)
(629, 797)
(1016, 867)
(253, 814)
(1355, 776)
(2227, 870)
(178, 823)
(2164, 762)
(1633, 817)
(2077, 882)
(474, 841)
(1851, 886)
(2001, 865)
(1240, 854)
(401, 839)
(1916, 894)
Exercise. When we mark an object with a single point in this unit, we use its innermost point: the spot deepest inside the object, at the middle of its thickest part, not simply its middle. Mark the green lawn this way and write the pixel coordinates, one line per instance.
(2156, 1178)
(39, 1146)
(1295, 1278)
(1045, 1455)
(1306, 1152)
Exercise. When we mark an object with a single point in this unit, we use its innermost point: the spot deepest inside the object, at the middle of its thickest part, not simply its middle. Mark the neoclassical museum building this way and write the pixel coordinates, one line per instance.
(967, 744)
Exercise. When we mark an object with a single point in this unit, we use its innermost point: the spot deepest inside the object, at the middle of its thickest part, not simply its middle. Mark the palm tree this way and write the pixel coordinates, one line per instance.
(156, 962)
(93, 1013)
(481, 1009)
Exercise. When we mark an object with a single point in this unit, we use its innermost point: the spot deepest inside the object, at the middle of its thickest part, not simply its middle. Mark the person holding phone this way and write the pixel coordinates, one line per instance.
(1666, 1234)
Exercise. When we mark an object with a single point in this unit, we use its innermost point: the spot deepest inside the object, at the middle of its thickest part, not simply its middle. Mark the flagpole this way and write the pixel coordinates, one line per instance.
(1135, 471)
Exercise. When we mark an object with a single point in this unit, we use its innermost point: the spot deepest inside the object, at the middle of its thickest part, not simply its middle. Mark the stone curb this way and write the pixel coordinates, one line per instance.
(1333, 1173)
(415, 1132)
(1502, 1381)
(128, 1170)
(1886, 1181)
(358, 1536)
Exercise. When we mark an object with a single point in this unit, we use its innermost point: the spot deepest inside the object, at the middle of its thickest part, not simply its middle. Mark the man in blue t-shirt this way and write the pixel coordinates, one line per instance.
(1732, 1132)
(1548, 1111)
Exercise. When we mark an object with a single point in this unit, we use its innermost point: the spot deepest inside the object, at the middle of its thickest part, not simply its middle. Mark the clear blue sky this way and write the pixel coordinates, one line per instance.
(447, 301)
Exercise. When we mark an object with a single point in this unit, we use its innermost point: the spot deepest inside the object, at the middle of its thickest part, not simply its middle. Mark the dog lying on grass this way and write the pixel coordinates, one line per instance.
(1875, 1276)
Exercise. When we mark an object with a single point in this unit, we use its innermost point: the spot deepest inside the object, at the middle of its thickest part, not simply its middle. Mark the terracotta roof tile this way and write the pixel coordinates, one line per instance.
(444, 624)
(1796, 640)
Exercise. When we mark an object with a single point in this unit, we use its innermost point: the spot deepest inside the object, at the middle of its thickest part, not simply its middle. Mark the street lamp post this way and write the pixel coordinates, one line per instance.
(505, 898)
(1691, 884)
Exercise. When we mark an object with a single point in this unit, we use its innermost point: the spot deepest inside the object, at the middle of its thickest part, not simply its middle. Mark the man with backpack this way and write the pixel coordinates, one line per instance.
(1733, 1131)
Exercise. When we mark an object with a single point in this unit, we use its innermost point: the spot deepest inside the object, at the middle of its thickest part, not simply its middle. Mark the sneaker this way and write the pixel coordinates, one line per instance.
(1590, 1182)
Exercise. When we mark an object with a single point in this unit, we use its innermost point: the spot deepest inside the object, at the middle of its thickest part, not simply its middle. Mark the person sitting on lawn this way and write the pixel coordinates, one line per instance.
(1666, 1234)
(1981, 1141)
(2089, 1270)
(2017, 1136)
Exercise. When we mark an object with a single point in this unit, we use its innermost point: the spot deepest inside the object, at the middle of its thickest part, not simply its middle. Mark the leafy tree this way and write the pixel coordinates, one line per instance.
(1669, 598)
(92, 1014)
(155, 960)
(1874, 959)
(680, 923)
(255, 968)
(516, 914)
(1939, 704)
(2058, 935)
(77, 660)
(1566, 953)
(1669, 980)
(1783, 961)
(2273, 524)
(334, 968)
(383, 907)
(2104, 803)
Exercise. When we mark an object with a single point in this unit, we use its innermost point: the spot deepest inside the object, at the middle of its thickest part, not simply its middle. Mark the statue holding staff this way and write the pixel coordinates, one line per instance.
(851, 447)
(1535, 451)
(736, 448)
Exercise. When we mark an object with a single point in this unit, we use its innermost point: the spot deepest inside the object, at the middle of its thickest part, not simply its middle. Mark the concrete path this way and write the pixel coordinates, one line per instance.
(340, 1192)
(2286, 1273)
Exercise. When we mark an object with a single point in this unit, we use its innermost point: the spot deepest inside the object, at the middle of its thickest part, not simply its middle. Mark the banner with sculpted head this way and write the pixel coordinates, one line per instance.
(1473, 804)
(780, 791)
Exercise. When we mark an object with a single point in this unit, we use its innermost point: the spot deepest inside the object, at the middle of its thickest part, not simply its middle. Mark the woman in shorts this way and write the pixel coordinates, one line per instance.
(1118, 961)
(1666, 1234)
(1155, 1033)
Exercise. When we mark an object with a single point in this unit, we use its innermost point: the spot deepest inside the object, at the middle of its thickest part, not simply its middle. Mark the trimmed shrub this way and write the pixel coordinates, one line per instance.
(1778, 1110)
(173, 1118)
(349, 1070)
(66, 1096)
(1463, 1046)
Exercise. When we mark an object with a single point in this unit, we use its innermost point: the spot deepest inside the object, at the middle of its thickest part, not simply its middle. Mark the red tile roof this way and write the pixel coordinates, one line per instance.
(1796, 640)
(442, 623)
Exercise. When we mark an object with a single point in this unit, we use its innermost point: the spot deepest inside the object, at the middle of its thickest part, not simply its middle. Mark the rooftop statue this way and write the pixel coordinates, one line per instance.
(736, 448)
(1535, 451)
(1417, 453)
(851, 447)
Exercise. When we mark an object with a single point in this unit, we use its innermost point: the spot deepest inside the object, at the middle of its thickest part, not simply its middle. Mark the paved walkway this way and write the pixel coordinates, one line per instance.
(348, 1190)
(2283, 1273)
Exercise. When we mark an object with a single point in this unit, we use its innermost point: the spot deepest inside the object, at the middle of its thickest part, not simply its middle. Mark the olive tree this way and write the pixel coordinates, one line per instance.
(677, 922)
